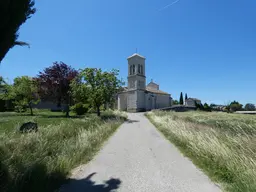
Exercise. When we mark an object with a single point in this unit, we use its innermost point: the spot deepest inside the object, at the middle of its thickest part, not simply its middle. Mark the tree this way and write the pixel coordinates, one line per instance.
(250, 107)
(181, 99)
(175, 102)
(54, 83)
(213, 105)
(206, 107)
(112, 85)
(186, 97)
(13, 13)
(78, 90)
(2, 94)
(235, 106)
(101, 87)
(2, 85)
(24, 92)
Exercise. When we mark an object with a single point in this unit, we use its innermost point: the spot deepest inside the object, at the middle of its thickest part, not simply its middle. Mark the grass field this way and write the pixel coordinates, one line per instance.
(222, 145)
(41, 161)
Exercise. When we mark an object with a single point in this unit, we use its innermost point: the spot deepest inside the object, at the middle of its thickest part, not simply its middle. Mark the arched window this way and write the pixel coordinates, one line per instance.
(139, 69)
(133, 69)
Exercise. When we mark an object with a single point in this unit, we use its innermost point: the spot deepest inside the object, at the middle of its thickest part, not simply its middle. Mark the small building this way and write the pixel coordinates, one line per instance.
(192, 102)
(137, 96)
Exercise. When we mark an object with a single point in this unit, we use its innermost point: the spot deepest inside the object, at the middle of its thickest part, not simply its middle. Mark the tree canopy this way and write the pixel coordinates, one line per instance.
(100, 87)
(175, 102)
(235, 106)
(13, 13)
(250, 107)
(24, 92)
(54, 83)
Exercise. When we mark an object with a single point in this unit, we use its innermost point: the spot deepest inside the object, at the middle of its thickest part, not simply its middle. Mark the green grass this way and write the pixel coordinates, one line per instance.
(222, 145)
(42, 161)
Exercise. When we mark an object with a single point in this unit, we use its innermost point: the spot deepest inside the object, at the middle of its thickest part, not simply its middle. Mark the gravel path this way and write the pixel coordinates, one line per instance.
(138, 158)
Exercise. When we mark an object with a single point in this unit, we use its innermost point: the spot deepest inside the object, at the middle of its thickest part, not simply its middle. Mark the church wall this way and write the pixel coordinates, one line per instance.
(149, 101)
(141, 100)
(122, 102)
(132, 101)
(162, 101)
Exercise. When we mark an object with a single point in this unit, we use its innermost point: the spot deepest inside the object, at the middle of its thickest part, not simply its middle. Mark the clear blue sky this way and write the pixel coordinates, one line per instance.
(204, 48)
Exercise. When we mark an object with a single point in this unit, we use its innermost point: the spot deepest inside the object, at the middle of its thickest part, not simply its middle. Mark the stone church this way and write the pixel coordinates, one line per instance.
(138, 97)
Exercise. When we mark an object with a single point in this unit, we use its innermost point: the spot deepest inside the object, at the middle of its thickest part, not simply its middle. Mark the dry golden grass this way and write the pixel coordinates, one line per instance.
(223, 145)
(41, 161)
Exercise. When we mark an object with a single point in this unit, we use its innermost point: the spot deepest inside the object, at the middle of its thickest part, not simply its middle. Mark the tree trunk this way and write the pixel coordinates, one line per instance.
(59, 102)
(67, 107)
(98, 111)
(67, 110)
(31, 110)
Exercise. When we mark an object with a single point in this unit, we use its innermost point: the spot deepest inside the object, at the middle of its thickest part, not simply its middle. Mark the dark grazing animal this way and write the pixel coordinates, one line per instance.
(28, 127)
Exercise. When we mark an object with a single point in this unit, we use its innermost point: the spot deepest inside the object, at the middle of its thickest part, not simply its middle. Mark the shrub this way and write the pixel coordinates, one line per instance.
(80, 108)
(20, 108)
(2, 105)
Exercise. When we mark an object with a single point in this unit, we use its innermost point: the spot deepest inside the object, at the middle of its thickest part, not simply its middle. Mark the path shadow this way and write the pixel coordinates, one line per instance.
(131, 121)
(36, 177)
(87, 185)
(111, 117)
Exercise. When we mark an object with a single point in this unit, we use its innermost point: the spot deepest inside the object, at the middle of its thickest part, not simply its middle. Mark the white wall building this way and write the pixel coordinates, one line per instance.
(137, 96)
(192, 102)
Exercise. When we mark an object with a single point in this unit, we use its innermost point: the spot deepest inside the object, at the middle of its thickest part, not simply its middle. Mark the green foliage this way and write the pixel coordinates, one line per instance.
(79, 91)
(198, 106)
(100, 87)
(250, 107)
(181, 99)
(20, 106)
(13, 13)
(175, 102)
(206, 107)
(235, 106)
(24, 92)
(80, 108)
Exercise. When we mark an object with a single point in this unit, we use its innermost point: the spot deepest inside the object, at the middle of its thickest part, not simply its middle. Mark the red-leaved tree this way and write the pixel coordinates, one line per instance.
(54, 83)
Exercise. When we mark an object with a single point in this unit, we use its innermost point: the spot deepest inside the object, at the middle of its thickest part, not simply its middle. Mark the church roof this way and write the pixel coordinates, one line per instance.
(195, 99)
(157, 91)
(152, 83)
(136, 54)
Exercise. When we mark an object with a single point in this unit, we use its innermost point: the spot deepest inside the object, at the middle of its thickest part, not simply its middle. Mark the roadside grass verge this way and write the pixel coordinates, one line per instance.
(42, 161)
(222, 145)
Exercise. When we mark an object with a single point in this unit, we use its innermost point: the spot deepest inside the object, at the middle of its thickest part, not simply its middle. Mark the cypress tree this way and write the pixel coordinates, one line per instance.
(186, 97)
(13, 13)
(181, 99)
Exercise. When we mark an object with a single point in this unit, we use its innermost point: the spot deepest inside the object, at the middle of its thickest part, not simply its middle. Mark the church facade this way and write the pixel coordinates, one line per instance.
(138, 96)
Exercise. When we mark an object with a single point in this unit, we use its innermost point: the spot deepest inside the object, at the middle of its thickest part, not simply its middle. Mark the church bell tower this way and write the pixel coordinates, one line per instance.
(136, 72)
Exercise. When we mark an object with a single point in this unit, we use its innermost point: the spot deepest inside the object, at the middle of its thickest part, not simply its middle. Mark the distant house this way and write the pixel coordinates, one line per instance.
(192, 101)
(218, 107)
